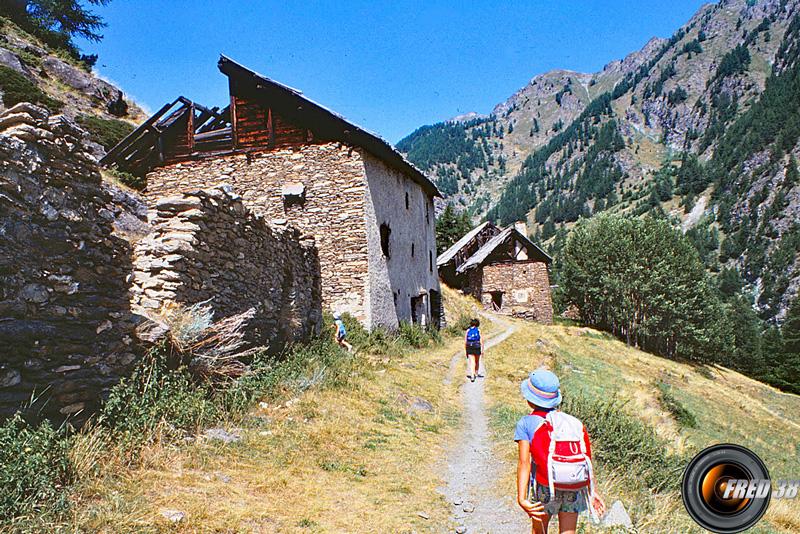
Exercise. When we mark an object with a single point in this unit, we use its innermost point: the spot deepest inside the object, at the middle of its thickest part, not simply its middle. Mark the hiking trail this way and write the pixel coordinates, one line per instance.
(472, 467)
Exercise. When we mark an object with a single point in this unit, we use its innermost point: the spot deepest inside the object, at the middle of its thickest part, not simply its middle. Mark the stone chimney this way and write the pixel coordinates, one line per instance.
(521, 227)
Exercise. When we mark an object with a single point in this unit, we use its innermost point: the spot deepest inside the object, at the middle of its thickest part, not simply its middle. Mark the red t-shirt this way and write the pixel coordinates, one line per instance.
(540, 442)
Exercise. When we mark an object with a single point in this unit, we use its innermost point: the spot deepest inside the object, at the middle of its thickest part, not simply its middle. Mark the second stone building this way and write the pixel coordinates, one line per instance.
(502, 268)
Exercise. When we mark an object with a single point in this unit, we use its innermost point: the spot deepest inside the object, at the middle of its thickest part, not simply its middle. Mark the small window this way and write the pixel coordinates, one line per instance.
(385, 233)
(407, 204)
(428, 214)
(412, 250)
(293, 194)
(430, 260)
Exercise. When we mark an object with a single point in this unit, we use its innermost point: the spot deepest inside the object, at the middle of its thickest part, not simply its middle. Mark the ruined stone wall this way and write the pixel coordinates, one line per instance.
(206, 245)
(65, 321)
(525, 286)
(332, 185)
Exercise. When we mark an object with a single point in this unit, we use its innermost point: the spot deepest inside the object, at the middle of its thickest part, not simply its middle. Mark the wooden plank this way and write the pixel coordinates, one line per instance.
(112, 154)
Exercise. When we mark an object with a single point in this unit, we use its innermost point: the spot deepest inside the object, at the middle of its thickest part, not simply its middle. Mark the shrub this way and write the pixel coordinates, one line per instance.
(17, 88)
(126, 178)
(157, 401)
(320, 362)
(627, 445)
(107, 132)
(668, 402)
(416, 336)
(383, 342)
(35, 473)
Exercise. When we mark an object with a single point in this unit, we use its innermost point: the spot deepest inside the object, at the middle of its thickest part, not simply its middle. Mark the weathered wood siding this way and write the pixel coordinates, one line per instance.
(257, 126)
(177, 142)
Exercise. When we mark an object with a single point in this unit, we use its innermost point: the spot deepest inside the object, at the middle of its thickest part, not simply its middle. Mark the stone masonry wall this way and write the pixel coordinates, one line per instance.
(65, 320)
(331, 179)
(206, 245)
(525, 286)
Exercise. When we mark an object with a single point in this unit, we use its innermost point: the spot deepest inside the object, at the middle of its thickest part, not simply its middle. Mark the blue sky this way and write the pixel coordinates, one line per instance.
(388, 66)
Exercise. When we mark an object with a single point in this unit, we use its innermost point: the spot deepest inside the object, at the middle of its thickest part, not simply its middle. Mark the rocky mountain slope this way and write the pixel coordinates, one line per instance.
(33, 72)
(704, 126)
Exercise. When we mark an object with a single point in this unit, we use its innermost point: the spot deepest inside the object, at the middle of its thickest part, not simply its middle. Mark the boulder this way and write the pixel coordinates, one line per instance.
(9, 59)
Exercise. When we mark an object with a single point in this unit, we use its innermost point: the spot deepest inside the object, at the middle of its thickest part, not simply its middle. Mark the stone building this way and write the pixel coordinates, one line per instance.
(293, 161)
(82, 267)
(502, 268)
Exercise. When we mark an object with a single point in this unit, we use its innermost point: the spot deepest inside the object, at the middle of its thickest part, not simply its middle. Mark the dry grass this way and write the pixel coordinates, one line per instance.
(727, 405)
(349, 459)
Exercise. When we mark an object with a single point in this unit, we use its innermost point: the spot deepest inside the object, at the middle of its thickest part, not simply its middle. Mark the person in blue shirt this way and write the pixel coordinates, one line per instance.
(473, 346)
(341, 332)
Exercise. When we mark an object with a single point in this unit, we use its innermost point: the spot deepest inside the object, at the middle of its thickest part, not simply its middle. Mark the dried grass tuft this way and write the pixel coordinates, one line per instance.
(215, 350)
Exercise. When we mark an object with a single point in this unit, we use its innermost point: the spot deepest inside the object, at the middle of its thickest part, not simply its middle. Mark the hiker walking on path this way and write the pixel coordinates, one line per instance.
(554, 469)
(340, 334)
(473, 346)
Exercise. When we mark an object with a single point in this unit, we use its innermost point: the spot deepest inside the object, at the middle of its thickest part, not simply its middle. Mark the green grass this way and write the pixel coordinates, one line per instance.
(17, 88)
(669, 403)
(106, 132)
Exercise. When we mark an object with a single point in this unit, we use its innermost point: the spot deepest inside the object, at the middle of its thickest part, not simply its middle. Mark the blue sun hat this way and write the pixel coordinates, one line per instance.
(542, 388)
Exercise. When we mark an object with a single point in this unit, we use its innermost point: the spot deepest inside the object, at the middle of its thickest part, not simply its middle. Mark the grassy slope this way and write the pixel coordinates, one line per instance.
(727, 406)
(334, 459)
(351, 459)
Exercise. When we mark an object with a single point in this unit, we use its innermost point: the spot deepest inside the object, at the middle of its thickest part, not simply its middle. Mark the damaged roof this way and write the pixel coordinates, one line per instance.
(324, 122)
(483, 253)
(448, 254)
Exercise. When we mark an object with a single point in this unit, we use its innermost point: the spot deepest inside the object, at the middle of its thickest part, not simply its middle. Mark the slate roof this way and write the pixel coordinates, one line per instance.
(490, 246)
(448, 254)
(324, 122)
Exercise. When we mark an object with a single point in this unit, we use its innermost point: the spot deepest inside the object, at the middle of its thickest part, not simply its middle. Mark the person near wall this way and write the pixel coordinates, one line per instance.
(340, 332)
(473, 346)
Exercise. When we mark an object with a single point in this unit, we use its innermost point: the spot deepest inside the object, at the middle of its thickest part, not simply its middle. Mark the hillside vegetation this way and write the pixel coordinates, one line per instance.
(324, 442)
(44, 68)
(703, 126)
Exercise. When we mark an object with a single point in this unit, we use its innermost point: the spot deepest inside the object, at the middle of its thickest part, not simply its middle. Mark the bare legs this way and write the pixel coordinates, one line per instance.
(473, 365)
(567, 523)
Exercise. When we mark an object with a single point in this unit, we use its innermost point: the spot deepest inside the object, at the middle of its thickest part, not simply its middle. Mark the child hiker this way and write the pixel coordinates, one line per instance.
(473, 346)
(341, 332)
(554, 470)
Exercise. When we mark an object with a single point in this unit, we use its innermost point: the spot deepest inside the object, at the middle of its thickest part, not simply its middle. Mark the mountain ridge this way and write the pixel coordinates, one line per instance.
(648, 132)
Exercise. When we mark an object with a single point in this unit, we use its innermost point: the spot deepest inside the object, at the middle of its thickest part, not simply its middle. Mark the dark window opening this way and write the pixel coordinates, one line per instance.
(412, 250)
(407, 200)
(385, 233)
(418, 309)
(436, 309)
(497, 299)
(428, 215)
(430, 261)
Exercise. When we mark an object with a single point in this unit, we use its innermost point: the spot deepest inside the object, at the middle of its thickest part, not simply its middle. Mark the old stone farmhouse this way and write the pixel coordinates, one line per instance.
(295, 162)
(504, 269)
(84, 265)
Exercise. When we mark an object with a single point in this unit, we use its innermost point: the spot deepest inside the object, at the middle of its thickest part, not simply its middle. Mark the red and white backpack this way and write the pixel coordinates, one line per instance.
(568, 464)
